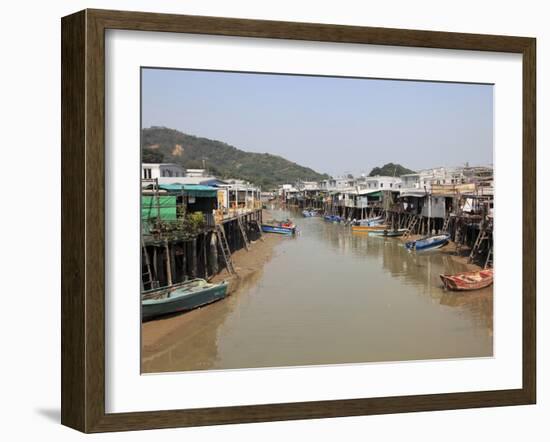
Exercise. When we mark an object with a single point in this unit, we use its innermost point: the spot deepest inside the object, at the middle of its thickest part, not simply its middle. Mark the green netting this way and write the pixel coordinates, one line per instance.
(375, 195)
(150, 207)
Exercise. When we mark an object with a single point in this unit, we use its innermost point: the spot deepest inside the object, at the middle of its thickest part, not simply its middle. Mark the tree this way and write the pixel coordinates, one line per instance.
(151, 156)
(390, 169)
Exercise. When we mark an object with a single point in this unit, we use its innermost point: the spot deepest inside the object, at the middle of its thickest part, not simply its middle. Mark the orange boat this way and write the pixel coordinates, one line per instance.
(367, 229)
(468, 280)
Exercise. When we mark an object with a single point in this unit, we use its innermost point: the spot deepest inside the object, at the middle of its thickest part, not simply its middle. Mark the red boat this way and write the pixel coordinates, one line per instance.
(468, 280)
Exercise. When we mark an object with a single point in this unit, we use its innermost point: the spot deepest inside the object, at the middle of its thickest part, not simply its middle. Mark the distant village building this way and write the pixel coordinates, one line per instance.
(307, 185)
(334, 184)
(238, 195)
(380, 183)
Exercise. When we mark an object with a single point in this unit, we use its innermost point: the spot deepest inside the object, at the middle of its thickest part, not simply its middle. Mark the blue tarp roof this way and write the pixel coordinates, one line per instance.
(213, 182)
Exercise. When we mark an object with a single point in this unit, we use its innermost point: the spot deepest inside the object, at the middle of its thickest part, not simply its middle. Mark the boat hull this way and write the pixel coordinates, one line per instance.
(368, 229)
(309, 213)
(468, 281)
(388, 233)
(278, 229)
(180, 300)
(430, 243)
(370, 221)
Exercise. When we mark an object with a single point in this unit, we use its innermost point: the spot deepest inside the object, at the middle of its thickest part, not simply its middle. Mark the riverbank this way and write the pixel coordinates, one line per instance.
(450, 250)
(372, 299)
(247, 265)
(248, 262)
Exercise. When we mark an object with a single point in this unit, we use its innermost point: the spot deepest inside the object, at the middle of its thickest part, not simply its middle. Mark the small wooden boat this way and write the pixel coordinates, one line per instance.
(468, 280)
(388, 233)
(180, 297)
(428, 243)
(309, 213)
(333, 218)
(368, 229)
(278, 228)
(370, 221)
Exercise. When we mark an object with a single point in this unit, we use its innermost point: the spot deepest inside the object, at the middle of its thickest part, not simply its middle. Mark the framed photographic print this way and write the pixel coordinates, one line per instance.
(271, 220)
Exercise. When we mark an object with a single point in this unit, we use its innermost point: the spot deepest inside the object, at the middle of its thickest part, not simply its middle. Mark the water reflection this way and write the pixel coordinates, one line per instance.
(330, 296)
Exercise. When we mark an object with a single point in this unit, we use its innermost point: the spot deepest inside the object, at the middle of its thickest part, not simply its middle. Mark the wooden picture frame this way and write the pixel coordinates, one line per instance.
(83, 220)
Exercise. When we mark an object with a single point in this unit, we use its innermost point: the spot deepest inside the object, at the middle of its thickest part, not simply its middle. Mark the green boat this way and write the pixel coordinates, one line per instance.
(180, 297)
(389, 233)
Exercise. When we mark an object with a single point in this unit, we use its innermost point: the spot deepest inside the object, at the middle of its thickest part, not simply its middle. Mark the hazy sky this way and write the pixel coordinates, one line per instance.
(333, 125)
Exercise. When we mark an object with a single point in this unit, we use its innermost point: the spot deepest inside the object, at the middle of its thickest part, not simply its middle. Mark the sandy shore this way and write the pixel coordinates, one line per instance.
(247, 264)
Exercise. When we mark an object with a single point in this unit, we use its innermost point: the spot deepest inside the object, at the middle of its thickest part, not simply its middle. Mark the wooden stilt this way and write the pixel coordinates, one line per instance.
(168, 263)
(194, 258)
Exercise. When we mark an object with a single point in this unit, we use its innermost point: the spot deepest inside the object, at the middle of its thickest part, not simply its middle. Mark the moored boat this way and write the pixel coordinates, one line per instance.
(180, 297)
(309, 213)
(286, 227)
(388, 233)
(468, 280)
(333, 218)
(428, 243)
(368, 229)
(370, 221)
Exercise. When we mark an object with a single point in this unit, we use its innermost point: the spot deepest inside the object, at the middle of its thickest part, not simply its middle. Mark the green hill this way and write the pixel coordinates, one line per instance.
(160, 144)
(390, 169)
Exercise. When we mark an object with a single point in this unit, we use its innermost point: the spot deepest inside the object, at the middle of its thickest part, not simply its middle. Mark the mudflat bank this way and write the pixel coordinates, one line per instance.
(247, 264)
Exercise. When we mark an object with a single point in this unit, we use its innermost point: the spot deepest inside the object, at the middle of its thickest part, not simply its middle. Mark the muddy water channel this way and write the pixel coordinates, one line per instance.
(329, 296)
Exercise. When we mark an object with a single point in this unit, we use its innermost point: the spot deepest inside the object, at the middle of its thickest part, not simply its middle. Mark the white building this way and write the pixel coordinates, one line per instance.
(170, 173)
(380, 183)
(337, 184)
(307, 185)
(422, 181)
(161, 170)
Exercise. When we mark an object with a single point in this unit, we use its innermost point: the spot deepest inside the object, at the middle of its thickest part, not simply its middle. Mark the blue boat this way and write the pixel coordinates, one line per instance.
(269, 228)
(333, 218)
(309, 213)
(370, 221)
(428, 243)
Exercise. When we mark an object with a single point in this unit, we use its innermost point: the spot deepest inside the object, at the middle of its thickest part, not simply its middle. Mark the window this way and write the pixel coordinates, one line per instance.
(391, 184)
(381, 184)
(147, 173)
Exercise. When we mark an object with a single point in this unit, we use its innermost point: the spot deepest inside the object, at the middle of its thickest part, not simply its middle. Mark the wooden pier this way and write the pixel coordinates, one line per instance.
(172, 257)
(471, 232)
